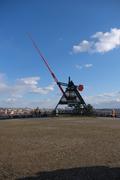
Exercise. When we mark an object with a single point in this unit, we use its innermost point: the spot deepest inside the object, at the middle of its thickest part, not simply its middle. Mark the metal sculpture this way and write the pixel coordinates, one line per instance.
(71, 96)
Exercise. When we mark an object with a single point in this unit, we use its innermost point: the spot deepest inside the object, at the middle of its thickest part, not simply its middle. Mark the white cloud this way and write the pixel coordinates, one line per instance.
(82, 47)
(105, 100)
(88, 65)
(22, 102)
(12, 94)
(79, 67)
(30, 85)
(29, 80)
(101, 42)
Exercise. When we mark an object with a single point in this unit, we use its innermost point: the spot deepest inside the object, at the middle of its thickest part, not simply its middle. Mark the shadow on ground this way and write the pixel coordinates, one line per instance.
(85, 173)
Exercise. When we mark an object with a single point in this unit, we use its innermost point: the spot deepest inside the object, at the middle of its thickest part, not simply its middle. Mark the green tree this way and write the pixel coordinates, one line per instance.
(89, 109)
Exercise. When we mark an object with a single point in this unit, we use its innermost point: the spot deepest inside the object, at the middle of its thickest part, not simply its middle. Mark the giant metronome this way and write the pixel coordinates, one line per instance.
(71, 95)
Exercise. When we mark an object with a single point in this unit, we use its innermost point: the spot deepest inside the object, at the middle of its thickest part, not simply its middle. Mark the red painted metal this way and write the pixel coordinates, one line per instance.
(80, 87)
(47, 65)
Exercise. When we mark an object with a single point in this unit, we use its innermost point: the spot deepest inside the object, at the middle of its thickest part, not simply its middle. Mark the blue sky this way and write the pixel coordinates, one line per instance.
(79, 38)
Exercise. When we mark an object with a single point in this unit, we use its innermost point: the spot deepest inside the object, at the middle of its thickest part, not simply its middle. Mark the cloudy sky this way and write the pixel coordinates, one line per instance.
(79, 38)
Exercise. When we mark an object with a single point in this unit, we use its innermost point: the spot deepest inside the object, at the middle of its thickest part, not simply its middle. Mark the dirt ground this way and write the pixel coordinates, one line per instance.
(60, 149)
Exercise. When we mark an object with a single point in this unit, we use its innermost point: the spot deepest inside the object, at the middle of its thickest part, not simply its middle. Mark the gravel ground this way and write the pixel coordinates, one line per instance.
(60, 148)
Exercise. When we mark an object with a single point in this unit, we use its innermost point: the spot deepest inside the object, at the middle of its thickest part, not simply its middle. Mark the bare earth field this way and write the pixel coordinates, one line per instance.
(60, 148)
